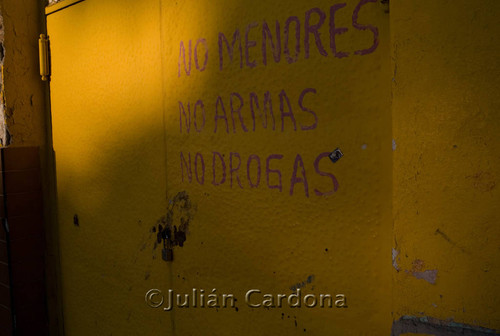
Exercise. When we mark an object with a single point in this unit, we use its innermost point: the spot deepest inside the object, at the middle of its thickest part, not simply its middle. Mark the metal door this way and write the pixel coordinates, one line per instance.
(239, 149)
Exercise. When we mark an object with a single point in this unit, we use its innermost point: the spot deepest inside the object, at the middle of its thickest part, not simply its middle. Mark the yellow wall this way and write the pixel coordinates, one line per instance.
(244, 237)
(116, 118)
(446, 128)
(418, 173)
(109, 153)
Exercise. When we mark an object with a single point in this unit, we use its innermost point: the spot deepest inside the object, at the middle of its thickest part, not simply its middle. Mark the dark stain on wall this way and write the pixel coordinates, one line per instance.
(172, 228)
(309, 280)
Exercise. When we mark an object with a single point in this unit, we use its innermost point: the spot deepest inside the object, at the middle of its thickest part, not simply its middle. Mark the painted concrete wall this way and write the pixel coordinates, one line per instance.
(272, 211)
(23, 94)
(132, 180)
(25, 120)
(446, 129)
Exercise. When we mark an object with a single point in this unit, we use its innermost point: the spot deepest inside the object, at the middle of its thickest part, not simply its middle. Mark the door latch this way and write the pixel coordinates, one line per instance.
(43, 51)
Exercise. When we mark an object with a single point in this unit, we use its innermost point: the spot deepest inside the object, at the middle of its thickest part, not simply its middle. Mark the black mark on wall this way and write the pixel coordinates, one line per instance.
(172, 228)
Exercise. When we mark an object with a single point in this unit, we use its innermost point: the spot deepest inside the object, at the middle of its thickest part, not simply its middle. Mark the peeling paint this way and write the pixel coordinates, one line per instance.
(393, 144)
(4, 132)
(53, 2)
(418, 272)
(434, 326)
(429, 276)
(395, 254)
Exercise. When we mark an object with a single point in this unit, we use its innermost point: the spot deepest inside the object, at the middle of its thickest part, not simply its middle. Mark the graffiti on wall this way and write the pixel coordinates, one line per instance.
(275, 111)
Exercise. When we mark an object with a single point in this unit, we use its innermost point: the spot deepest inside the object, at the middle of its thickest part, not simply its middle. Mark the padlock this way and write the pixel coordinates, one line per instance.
(167, 254)
(336, 155)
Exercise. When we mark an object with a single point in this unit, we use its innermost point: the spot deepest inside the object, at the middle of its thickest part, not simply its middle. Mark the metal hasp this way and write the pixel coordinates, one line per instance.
(167, 254)
(335, 155)
(43, 51)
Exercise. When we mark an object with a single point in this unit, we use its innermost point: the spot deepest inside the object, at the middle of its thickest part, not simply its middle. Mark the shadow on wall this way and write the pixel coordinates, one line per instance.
(113, 168)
